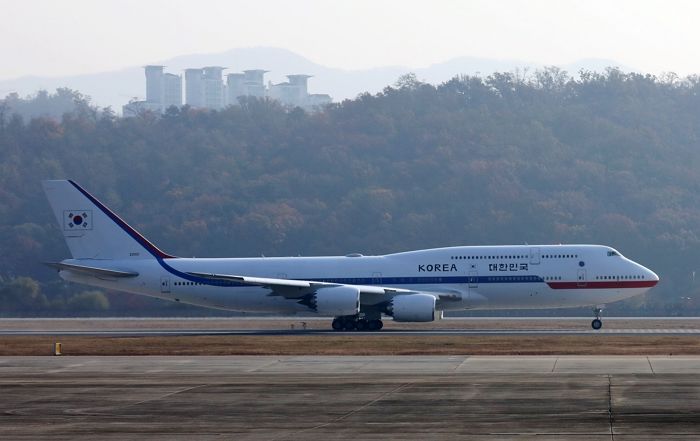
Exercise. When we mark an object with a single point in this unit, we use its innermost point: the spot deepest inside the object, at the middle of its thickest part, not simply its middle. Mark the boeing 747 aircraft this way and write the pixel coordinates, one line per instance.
(414, 286)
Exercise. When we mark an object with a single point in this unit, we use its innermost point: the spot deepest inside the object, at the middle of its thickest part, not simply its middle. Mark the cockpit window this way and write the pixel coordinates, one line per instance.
(613, 253)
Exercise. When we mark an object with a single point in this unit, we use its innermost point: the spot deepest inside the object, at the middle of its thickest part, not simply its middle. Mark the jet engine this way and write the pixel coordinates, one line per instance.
(413, 308)
(334, 301)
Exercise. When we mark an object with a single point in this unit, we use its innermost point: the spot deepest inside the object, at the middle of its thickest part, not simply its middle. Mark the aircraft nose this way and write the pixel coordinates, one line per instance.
(651, 275)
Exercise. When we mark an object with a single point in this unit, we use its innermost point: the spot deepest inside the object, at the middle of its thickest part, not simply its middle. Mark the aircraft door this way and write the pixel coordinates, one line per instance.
(535, 256)
(165, 284)
(376, 278)
(473, 279)
(581, 280)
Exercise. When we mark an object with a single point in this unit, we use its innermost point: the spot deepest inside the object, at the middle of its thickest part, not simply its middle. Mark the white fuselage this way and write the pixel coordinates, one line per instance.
(470, 277)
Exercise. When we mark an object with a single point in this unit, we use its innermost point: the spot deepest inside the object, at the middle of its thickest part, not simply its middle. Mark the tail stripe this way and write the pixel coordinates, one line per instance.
(158, 254)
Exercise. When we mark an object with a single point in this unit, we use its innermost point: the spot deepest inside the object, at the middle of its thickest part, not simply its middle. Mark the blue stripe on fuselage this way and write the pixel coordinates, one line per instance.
(393, 281)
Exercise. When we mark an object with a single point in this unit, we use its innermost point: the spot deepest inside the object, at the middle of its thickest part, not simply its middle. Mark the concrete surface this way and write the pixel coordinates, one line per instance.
(466, 326)
(297, 331)
(300, 398)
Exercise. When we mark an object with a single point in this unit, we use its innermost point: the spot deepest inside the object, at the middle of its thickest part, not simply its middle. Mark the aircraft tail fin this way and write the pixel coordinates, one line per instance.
(93, 231)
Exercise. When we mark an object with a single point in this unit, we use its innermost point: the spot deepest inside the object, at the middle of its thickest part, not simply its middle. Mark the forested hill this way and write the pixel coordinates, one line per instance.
(609, 158)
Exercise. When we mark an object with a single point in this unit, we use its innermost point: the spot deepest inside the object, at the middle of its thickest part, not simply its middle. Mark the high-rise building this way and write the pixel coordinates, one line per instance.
(295, 92)
(172, 90)
(162, 91)
(300, 82)
(317, 100)
(194, 88)
(205, 88)
(282, 92)
(254, 82)
(154, 84)
(213, 87)
(235, 87)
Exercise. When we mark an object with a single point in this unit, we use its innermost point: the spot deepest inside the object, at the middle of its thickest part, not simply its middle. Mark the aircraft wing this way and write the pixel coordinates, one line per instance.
(297, 288)
(91, 270)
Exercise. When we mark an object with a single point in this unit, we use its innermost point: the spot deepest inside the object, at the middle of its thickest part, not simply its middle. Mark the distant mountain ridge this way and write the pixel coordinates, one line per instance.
(115, 88)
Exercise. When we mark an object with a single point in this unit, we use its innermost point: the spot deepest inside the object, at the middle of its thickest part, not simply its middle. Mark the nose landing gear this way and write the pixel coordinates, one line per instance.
(597, 323)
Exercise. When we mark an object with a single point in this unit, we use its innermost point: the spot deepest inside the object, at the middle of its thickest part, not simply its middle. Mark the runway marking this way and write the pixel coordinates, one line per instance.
(611, 418)
(272, 363)
(651, 367)
(187, 389)
(66, 368)
(462, 363)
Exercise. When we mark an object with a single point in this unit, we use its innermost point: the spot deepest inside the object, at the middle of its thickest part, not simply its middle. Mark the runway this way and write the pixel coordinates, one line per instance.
(318, 326)
(314, 332)
(334, 398)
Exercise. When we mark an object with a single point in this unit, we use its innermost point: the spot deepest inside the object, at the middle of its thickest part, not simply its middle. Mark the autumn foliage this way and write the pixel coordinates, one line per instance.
(611, 158)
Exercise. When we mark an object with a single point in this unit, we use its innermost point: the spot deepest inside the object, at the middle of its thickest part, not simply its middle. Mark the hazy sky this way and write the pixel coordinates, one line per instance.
(58, 37)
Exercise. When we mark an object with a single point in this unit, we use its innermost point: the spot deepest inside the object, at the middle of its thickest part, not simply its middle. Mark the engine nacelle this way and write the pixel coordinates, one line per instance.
(413, 308)
(335, 301)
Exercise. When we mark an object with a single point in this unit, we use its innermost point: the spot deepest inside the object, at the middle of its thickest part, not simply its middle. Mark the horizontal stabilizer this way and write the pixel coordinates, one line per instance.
(90, 270)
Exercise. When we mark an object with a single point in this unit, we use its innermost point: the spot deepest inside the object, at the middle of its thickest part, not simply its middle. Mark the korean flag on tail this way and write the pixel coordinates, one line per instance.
(77, 220)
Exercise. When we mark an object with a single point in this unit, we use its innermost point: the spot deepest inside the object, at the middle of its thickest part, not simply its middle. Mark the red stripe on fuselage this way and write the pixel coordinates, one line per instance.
(608, 284)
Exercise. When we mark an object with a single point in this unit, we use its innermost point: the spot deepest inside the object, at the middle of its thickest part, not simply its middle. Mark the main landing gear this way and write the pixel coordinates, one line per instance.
(355, 323)
(597, 323)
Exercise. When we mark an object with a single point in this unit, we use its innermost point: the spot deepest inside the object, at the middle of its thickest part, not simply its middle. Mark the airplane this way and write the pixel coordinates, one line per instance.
(357, 290)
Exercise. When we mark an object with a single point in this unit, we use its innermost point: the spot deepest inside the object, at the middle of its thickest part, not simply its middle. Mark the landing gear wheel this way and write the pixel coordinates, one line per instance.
(337, 324)
(349, 324)
(362, 325)
(375, 325)
(597, 323)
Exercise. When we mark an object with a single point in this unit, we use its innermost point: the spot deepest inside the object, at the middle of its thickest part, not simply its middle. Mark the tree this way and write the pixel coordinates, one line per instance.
(606, 157)
(408, 81)
(21, 294)
(91, 300)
